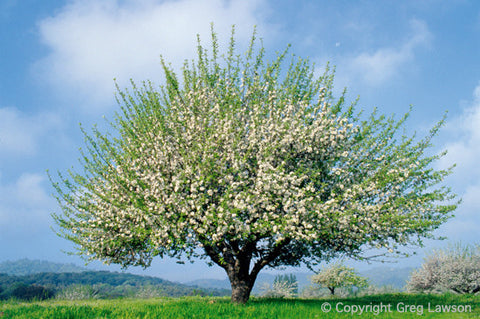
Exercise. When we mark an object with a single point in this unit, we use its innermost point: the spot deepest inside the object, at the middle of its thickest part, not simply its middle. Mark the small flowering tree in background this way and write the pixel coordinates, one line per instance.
(456, 269)
(249, 166)
(78, 292)
(289, 280)
(283, 286)
(338, 275)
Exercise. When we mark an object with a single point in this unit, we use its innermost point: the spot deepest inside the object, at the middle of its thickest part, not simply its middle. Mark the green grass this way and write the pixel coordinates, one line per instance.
(217, 307)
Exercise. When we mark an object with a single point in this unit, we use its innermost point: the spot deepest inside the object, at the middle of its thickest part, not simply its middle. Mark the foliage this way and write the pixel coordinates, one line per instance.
(147, 292)
(455, 269)
(77, 292)
(377, 290)
(338, 275)
(249, 166)
(31, 292)
(101, 284)
(290, 279)
(284, 286)
(315, 291)
(257, 308)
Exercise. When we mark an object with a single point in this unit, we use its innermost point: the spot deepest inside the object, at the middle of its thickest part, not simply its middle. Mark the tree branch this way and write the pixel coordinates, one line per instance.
(213, 253)
(274, 253)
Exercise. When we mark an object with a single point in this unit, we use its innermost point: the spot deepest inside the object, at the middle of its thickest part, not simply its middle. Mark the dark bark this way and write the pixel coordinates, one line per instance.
(241, 287)
(236, 263)
(466, 290)
(332, 290)
(238, 271)
(271, 256)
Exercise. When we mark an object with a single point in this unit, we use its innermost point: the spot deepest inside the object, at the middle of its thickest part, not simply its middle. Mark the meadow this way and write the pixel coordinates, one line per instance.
(377, 306)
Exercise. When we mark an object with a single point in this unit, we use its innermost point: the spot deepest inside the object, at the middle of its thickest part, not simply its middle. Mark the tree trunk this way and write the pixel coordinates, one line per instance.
(332, 290)
(241, 291)
(241, 282)
(237, 265)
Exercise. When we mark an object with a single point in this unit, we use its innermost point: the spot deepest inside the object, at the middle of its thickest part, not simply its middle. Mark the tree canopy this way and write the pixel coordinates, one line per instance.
(248, 165)
(454, 269)
(338, 275)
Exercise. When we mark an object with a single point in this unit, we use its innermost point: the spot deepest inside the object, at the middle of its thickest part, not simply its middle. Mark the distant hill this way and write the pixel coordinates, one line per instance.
(25, 266)
(388, 276)
(210, 283)
(109, 284)
(57, 276)
(112, 279)
(302, 278)
(36, 272)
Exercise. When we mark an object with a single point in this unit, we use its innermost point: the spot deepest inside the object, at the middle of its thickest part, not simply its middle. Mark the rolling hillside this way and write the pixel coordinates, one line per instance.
(112, 284)
(44, 273)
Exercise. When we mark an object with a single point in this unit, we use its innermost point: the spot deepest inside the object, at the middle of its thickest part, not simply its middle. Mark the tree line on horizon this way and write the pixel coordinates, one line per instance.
(453, 269)
(95, 284)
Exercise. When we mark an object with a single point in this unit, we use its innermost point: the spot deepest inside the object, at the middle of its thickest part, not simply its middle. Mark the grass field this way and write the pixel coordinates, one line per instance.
(380, 306)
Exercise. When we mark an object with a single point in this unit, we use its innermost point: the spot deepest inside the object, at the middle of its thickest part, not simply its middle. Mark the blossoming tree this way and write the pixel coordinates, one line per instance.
(248, 166)
(454, 269)
(338, 275)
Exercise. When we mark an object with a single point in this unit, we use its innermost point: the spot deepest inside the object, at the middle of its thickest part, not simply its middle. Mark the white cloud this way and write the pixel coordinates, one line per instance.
(374, 68)
(25, 220)
(464, 145)
(20, 133)
(28, 189)
(464, 226)
(24, 204)
(92, 42)
(464, 151)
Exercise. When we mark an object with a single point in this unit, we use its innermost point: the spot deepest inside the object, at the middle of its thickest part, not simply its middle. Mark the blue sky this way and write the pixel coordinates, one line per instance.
(58, 60)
